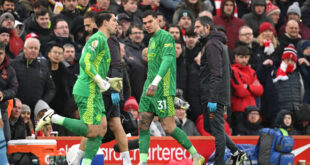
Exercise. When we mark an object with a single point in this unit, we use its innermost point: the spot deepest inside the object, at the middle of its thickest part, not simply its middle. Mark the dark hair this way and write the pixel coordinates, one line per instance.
(178, 42)
(41, 12)
(126, 1)
(149, 12)
(54, 24)
(205, 20)
(13, 1)
(52, 44)
(242, 50)
(100, 17)
(134, 26)
(90, 14)
(190, 33)
(40, 3)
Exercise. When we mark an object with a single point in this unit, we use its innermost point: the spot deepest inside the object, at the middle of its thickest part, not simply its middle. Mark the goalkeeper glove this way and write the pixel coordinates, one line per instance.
(102, 84)
(116, 83)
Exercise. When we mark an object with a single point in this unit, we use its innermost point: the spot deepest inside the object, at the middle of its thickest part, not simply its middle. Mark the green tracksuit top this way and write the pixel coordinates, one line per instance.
(162, 61)
(95, 59)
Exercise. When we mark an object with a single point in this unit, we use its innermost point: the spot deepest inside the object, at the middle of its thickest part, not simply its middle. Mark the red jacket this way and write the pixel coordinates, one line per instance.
(231, 24)
(16, 44)
(242, 97)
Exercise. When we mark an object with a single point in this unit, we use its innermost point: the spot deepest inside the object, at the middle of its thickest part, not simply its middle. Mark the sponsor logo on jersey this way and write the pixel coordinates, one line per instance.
(168, 45)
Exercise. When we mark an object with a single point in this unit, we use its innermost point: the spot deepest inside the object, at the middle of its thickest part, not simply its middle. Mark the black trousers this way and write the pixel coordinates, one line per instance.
(214, 124)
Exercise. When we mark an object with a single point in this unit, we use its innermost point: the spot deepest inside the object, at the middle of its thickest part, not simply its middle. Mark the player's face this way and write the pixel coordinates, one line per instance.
(150, 24)
(112, 25)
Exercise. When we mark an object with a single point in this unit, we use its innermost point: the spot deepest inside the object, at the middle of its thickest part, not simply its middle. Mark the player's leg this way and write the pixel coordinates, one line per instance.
(144, 134)
(121, 138)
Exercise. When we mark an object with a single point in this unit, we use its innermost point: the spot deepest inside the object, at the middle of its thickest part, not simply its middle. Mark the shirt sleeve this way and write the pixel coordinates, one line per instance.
(89, 53)
(168, 54)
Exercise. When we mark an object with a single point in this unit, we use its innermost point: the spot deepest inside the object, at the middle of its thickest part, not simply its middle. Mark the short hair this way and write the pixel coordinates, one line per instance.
(57, 21)
(41, 12)
(149, 12)
(244, 27)
(100, 17)
(40, 3)
(32, 39)
(90, 14)
(174, 26)
(242, 50)
(126, 1)
(68, 45)
(205, 20)
(178, 42)
(13, 1)
(2, 46)
(134, 26)
(53, 44)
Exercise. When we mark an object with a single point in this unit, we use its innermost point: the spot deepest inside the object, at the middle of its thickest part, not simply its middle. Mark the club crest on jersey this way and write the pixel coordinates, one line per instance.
(94, 44)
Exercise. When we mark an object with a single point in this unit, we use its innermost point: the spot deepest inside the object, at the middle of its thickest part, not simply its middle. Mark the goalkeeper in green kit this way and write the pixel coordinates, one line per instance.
(159, 90)
(87, 91)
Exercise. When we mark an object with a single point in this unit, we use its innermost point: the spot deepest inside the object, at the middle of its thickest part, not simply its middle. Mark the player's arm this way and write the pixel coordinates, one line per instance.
(88, 55)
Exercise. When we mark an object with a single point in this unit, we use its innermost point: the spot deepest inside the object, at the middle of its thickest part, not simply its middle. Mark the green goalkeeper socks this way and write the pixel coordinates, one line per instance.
(76, 126)
(144, 144)
(182, 138)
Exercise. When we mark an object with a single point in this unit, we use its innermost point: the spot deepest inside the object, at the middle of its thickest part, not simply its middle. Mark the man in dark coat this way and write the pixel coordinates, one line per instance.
(215, 87)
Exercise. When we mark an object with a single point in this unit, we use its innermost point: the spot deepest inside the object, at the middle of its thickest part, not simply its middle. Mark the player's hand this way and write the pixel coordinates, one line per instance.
(212, 106)
(116, 83)
(151, 90)
(115, 98)
(102, 84)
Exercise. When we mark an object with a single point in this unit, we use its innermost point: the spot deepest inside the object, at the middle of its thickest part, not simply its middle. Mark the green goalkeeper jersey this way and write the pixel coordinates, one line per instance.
(162, 62)
(95, 59)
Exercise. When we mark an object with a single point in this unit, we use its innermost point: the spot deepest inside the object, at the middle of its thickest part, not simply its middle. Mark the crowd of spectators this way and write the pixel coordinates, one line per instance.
(268, 40)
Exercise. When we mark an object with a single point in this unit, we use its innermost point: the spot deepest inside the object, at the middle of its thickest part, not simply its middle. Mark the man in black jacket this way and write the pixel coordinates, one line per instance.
(33, 75)
(215, 87)
(17, 124)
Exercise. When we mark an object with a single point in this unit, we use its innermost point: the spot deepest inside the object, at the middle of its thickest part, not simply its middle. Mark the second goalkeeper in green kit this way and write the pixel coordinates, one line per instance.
(87, 91)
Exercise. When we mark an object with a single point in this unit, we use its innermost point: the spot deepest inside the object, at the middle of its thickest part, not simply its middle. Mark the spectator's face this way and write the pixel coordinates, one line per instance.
(180, 113)
(83, 3)
(259, 9)
(292, 29)
(306, 51)
(161, 21)
(134, 113)
(178, 49)
(131, 6)
(41, 114)
(31, 50)
(229, 8)
(185, 22)
(69, 53)
(103, 4)
(293, 16)
(8, 6)
(62, 29)
(25, 116)
(2, 56)
(253, 117)
(191, 42)
(16, 111)
(8, 23)
(275, 17)
(70, 4)
(246, 35)
(193, 1)
(89, 25)
(5, 38)
(200, 30)
(267, 35)
(175, 32)
(289, 61)
(287, 120)
(56, 54)
(150, 24)
(242, 60)
(136, 35)
(119, 31)
(43, 21)
(125, 25)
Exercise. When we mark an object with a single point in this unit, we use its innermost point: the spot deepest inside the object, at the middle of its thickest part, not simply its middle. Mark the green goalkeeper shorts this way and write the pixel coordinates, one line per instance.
(161, 106)
(91, 109)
